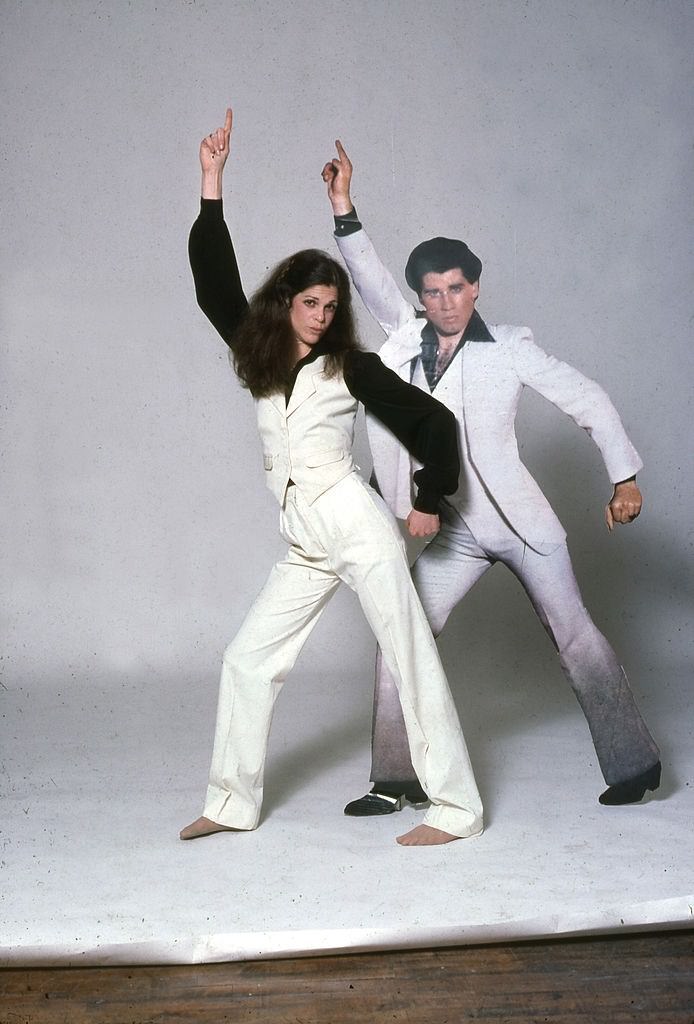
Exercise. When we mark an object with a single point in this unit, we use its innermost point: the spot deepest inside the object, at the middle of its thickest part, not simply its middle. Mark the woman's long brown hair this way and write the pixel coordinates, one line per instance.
(264, 345)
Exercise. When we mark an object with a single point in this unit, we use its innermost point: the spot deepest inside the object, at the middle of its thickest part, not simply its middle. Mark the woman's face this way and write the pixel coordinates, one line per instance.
(310, 314)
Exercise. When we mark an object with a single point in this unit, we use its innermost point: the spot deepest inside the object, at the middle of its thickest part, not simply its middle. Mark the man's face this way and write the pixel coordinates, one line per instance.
(448, 300)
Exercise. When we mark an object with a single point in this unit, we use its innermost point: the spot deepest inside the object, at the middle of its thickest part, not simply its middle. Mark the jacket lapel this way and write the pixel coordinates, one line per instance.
(304, 387)
(279, 402)
(477, 390)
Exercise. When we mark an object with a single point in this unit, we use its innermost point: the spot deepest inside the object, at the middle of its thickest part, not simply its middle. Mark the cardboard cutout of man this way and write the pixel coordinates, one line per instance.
(498, 514)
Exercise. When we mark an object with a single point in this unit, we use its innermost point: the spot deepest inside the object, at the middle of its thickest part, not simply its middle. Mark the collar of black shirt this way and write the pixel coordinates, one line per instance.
(317, 350)
(476, 330)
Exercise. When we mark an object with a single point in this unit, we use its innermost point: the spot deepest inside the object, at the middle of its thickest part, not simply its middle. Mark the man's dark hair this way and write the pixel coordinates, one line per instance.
(436, 256)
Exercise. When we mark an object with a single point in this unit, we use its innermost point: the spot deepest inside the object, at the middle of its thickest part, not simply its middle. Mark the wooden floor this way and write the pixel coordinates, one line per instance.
(627, 979)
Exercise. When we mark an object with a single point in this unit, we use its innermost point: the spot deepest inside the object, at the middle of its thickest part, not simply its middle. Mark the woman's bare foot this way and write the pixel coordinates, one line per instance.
(425, 835)
(204, 827)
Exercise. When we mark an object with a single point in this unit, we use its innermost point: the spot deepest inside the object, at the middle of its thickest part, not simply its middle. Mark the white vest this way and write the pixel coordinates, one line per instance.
(309, 440)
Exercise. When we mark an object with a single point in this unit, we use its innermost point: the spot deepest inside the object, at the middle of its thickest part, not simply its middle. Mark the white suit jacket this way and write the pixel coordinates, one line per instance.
(493, 377)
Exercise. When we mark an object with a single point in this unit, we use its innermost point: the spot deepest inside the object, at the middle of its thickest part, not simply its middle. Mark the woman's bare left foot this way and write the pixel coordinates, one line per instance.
(425, 835)
(203, 827)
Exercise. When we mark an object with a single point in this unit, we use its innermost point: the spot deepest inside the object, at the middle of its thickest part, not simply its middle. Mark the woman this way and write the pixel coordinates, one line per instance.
(294, 347)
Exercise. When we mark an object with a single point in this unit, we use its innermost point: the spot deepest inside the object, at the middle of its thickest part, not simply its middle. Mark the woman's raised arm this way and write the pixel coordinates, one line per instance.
(218, 285)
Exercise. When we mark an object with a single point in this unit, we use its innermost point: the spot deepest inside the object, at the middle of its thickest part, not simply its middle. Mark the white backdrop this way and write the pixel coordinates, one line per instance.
(553, 137)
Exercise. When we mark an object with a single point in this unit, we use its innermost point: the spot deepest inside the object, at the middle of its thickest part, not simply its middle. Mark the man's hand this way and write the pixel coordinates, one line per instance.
(214, 150)
(337, 175)
(624, 505)
(422, 524)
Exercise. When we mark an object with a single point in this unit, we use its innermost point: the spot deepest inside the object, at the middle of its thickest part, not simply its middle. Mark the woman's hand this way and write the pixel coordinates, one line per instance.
(214, 150)
(337, 175)
(422, 524)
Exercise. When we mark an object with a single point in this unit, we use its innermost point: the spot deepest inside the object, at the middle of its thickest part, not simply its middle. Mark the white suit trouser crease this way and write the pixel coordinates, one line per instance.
(347, 535)
(445, 572)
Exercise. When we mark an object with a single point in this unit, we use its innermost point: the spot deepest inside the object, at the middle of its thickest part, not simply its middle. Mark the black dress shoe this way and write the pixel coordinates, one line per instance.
(373, 803)
(379, 802)
(633, 790)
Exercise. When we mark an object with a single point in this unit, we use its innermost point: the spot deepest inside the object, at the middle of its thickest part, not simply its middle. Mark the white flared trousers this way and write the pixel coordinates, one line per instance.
(347, 535)
(444, 573)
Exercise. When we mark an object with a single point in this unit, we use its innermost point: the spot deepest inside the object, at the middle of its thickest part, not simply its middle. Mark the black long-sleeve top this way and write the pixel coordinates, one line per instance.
(424, 426)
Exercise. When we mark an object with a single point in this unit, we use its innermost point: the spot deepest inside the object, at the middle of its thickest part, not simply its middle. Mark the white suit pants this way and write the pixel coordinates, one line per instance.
(347, 535)
(445, 571)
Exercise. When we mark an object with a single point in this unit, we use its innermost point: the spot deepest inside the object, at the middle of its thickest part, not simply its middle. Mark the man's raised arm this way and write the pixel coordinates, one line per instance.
(376, 286)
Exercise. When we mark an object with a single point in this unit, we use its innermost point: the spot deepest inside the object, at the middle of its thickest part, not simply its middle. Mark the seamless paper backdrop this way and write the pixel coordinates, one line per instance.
(554, 138)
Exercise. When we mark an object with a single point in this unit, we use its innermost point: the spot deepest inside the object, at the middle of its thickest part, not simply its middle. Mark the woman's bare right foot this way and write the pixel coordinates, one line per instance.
(426, 835)
(204, 827)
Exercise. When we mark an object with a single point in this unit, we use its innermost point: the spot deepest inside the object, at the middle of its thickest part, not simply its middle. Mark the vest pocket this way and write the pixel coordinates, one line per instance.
(315, 459)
